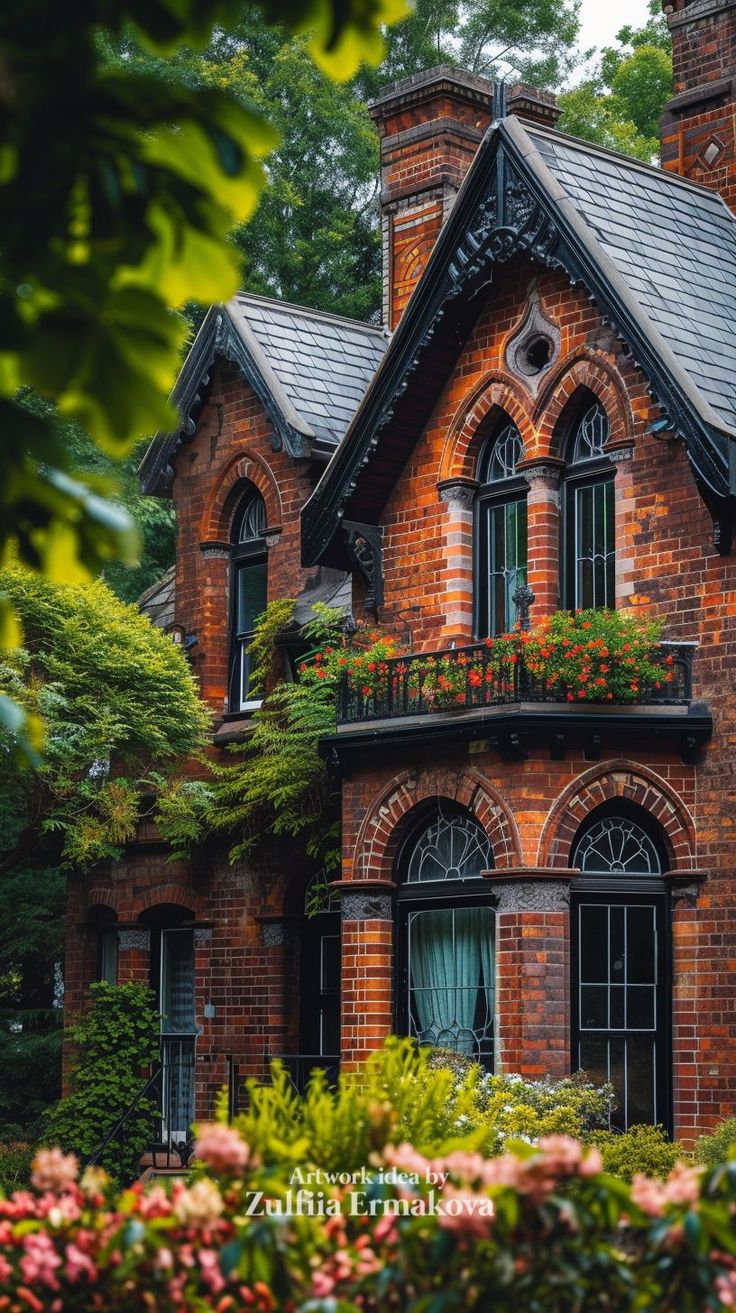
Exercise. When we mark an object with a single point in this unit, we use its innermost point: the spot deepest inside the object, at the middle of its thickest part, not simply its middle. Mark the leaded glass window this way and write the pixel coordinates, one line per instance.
(448, 937)
(591, 434)
(452, 848)
(249, 588)
(501, 533)
(617, 845)
(590, 510)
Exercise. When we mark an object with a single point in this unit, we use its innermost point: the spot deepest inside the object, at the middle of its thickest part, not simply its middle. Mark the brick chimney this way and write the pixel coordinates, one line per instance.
(699, 122)
(430, 127)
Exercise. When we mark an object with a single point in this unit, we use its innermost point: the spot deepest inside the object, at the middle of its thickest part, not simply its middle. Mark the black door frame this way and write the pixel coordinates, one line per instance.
(627, 893)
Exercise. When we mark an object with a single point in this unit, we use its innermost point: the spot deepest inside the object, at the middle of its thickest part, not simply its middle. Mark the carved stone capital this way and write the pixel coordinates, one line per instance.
(540, 895)
(546, 470)
(202, 935)
(129, 938)
(619, 451)
(278, 930)
(366, 906)
(458, 494)
(219, 551)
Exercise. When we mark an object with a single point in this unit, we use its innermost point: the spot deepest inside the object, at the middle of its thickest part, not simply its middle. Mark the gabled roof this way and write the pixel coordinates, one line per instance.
(656, 252)
(309, 369)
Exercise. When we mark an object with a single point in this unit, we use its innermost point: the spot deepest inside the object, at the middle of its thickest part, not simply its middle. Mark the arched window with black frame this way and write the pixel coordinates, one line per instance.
(446, 935)
(589, 554)
(500, 531)
(621, 1006)
(249, 594)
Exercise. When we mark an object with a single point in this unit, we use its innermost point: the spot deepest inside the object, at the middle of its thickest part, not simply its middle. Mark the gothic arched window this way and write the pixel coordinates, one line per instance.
(249, 593)
(590, 547)
(620, 953)
(447, 931)
(500, 531)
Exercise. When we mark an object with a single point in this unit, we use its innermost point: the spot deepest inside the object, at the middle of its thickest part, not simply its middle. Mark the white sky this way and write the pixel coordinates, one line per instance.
(600, 20)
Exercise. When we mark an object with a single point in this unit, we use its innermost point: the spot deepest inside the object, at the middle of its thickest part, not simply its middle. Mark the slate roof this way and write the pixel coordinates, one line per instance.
(657, 255)
(673, 242)
(159, 600)
(323, 362)
(309, 368)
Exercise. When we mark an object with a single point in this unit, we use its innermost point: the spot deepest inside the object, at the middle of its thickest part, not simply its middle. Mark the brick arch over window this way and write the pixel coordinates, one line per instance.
(618, 779)
(598, 377)
(123, 903)
(468, 430)
(221, 505)
(382, 827)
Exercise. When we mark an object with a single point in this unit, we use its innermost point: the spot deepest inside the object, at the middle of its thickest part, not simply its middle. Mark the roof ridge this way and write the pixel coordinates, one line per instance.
(310, 312)
(593, 148)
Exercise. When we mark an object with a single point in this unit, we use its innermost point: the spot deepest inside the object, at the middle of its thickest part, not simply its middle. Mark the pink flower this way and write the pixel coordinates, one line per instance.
(155, 1203)
(322, 1285)
(54, 1170)
(39, 1260)
(465, 1213)
(5, 1269)
(682, 1185)
(79, 1264)
(648, 1195)
(209, 1262)
(201, 1205)
(222, 1149)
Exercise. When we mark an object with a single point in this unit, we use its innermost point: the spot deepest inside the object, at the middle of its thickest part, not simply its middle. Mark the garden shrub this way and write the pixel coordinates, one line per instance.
(115, 1042)
(539, 1230)
(719, 1145)
(434, 1098)
(645, 1150)
(15, 1165)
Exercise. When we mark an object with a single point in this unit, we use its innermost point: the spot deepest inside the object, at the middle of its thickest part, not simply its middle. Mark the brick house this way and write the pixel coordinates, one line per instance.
(543, 886)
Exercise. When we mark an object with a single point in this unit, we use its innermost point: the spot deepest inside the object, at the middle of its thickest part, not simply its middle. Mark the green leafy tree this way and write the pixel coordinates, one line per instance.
(117, 697)
(117, 195)
(115, 1044)
(621, 105)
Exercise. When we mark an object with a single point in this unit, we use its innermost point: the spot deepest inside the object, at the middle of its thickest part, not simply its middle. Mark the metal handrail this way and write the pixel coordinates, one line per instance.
(120, 1123)
(400, 688)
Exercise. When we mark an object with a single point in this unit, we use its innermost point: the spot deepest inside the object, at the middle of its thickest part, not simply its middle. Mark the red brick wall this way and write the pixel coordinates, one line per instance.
(703, 111)
(232, 443)
(253, 985)
(667, 564)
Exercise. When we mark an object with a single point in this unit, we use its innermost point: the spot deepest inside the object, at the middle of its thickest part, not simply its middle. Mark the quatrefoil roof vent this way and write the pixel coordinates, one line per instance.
(535, 346)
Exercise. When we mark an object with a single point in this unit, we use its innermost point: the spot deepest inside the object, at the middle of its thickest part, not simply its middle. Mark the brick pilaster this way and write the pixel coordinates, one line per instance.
(367, 967)
(532, 972)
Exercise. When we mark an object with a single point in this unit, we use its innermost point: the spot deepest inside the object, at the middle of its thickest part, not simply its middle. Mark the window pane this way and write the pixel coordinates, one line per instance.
(503, 562)
(251, 595)
(451, 978)
(451, 848)
(594, 1007)
(109, 957)
(177, 981)
(640, 1091)
(593, 944)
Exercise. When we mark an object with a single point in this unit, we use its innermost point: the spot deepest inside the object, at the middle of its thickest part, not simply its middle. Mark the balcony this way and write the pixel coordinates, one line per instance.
(464, 694)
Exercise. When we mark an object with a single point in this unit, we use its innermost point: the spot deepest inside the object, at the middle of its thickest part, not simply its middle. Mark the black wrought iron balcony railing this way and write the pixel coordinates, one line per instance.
(467, 678)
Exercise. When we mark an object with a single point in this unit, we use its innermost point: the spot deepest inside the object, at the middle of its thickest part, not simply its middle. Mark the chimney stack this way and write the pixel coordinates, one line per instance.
(699, 122)
(430, 127)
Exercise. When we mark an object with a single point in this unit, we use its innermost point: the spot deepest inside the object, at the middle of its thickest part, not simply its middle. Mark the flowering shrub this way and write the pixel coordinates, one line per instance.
(540, 1230)
(585, 656)
(596, 656)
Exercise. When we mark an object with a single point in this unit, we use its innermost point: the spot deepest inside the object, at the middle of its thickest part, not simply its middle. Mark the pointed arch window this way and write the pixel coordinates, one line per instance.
(621, 1004)
(249, 594)
(446, 936)
(500, 531)
(590, 546)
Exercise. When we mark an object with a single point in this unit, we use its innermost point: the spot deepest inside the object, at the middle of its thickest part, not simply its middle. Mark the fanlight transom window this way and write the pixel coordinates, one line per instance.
(617, 845)
(501, 458)
(591, 435)
(252, 520)
(451, 848)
